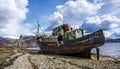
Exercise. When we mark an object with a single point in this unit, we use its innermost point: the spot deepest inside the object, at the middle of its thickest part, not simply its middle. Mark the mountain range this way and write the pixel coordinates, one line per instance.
(113, 40)
(25, 41)
(30, 41)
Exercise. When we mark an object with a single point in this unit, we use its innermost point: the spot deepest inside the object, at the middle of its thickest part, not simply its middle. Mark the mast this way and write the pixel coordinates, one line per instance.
(37, 31)
(39, 28)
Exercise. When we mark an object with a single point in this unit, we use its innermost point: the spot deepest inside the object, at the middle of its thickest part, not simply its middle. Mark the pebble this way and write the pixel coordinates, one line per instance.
(42, 61)
(21, 62)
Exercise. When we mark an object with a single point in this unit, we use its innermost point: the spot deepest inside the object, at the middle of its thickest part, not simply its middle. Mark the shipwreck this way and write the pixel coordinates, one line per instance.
(68, 41)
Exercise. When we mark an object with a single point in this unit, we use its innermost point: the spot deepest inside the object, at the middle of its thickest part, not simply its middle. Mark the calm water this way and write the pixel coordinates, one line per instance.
(108, 49)
(35, 48)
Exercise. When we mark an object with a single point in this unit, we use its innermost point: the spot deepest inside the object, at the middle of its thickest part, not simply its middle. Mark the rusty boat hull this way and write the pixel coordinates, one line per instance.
(76, 46)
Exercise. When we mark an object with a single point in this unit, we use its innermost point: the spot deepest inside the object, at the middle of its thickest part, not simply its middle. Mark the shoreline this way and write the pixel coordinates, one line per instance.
(49, 61)
(105, 56)
(37, 52)
(58, 61)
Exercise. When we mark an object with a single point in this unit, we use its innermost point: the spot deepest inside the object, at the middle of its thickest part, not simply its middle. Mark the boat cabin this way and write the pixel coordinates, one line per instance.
(68, 32)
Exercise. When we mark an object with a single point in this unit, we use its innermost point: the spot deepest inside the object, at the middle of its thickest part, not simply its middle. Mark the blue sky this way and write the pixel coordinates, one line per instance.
(42, 9)
(19, 16)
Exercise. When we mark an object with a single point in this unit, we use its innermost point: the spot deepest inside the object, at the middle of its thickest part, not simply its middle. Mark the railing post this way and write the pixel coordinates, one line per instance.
(98, 54)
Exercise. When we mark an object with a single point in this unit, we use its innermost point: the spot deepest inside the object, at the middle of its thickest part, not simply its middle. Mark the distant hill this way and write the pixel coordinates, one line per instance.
(113, 40)
(25, 41)
(4, 41)
(30, 41)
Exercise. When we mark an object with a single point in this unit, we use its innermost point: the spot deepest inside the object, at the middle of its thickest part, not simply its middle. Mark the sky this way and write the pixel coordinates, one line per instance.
(19, 17)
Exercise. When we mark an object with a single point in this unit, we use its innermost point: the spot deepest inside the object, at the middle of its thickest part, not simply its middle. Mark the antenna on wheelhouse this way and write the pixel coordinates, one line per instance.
(39, 28)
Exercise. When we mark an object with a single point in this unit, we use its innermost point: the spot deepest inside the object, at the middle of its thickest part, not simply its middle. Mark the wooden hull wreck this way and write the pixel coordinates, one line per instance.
(82, 45)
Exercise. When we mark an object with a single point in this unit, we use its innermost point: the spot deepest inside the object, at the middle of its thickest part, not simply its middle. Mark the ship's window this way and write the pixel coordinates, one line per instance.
(78, 33)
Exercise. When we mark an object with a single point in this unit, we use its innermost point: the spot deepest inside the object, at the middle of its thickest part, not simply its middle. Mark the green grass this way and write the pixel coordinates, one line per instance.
(4, 53)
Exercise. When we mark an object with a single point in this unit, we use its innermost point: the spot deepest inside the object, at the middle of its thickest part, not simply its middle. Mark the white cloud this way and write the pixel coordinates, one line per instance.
(26, 29)
(110, 1)
(115, 33)
(73, 11)
(93, 20)
(101, 19)
(78, 8)
(110, 6)
(91, 15)
(106, 22)
(75, 27)
(12, 13)
(108, 33)
(55, 20)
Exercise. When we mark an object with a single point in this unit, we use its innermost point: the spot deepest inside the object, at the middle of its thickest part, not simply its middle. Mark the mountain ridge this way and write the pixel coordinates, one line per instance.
(30, 41)
(25, 41)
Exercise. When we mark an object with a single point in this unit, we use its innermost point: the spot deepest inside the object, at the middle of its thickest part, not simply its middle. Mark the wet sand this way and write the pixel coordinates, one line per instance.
(45, 61)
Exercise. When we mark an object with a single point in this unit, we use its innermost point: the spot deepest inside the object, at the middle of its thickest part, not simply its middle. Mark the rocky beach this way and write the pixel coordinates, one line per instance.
(59, 34)
(34, 60)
